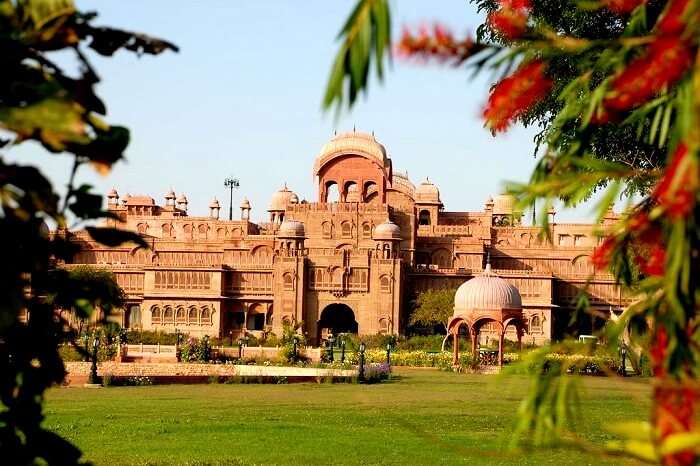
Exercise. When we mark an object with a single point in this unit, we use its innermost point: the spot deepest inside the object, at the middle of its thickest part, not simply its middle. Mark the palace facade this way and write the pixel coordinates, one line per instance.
(350, 261)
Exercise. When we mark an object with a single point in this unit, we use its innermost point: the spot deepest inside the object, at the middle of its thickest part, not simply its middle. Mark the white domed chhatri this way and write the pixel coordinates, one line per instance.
(387, 231)
(486, 292)
(214, 204)
(504, 204)
(245, 204)
(281, 199)
(291, 229)
(427, 193)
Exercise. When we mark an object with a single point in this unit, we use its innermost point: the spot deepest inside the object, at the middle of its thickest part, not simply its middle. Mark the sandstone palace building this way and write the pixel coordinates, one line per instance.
(350, 261)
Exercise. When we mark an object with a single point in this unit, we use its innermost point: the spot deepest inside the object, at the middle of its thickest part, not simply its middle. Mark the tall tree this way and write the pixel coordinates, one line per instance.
(41, 102)
(433, 307)
(615, 86)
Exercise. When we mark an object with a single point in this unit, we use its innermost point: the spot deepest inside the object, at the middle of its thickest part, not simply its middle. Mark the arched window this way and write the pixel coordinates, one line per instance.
(371, 191)
(383, 325)
(327, 229)
(156, 318)
(346, 229)
(168, 315)
(205, 316)
(366, 230)
(181, 315)
(424, 217)
(288, 281)
(134, 317)
(167, 230)
(193, 316)
(535, 324)
(202, 230)
(385, 284)
(187, 230)
(142, 228)
(332, 192)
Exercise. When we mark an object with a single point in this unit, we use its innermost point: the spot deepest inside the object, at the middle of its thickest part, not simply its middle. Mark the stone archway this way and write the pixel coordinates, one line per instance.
(337, 318)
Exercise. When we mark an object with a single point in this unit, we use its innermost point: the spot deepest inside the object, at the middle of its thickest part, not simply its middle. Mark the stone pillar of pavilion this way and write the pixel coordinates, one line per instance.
(484, 299)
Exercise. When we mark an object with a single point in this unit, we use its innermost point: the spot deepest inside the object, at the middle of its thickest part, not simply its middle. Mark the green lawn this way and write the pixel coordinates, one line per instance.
(425, 417)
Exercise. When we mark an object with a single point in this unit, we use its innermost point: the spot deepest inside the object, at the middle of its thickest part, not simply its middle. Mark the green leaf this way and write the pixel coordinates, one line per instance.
(115, 237)
(679, 442)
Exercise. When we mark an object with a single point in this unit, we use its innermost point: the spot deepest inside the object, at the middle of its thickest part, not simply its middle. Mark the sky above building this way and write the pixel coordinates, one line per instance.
(243, 99)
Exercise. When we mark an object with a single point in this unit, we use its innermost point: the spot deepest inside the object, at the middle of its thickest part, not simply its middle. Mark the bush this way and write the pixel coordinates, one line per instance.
(195, 350)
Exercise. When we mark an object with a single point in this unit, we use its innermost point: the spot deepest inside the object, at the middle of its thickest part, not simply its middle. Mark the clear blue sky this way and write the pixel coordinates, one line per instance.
(243, 97)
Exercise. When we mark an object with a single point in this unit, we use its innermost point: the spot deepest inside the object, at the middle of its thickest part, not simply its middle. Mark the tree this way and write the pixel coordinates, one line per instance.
(433, 307)
(609, 85)
(40, 102)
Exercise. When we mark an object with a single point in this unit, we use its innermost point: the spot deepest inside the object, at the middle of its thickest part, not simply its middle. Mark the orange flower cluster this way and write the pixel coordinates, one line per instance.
(677, 189)
(648, 247)
(674, 413)
(623, 6)
(516, 94)
(657, 351)
(438, 43)
(510, 20)
(602, 254)
(665, 61)
(672, 21)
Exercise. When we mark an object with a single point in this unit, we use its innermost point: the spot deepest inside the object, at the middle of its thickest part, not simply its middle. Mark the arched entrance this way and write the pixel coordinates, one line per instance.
(337, 318)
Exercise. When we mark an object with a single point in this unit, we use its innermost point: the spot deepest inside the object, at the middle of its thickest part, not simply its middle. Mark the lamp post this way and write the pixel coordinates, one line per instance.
(361, 368)
(93, 369)
(331, 343)
(388, 354)
(295, 349)
(231, 183)
(230, 336)
(342, 349)
(623, 357)
(240, 348)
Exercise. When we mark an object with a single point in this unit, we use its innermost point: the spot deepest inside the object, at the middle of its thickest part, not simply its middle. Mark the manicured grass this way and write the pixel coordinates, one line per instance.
(425, 417)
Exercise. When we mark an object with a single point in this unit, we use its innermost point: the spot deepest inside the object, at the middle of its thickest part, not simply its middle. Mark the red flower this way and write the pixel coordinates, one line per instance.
(602, 254)
(623, 6)
(676, 190)
(516, 94)
(654, 264)
(510, 20)
(657, 351)
(439, 44)
(674, 413)
(671, 22)
(665, 61)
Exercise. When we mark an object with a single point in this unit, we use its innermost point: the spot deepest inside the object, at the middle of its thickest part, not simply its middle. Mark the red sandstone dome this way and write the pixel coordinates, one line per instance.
(291, 229)
(486, 292)
(354, 142)
(281, 199)
(387, 231)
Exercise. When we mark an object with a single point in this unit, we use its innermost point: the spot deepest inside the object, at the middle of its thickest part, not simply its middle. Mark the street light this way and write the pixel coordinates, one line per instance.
(342, 349)
(362, 362)
(331, 342)
(93, 369)
(231, 183)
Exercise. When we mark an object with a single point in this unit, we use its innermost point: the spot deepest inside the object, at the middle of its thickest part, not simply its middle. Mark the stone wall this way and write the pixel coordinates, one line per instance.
(192, 373)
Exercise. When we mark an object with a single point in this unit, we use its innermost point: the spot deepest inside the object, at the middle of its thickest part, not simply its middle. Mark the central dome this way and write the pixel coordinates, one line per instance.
(486, 292)
(354, 142)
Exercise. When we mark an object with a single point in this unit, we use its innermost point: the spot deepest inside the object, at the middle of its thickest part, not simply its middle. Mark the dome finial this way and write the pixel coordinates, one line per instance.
(487, 270)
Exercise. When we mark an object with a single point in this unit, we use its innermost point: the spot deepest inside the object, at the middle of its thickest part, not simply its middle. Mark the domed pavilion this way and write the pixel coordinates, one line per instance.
(484, 299)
